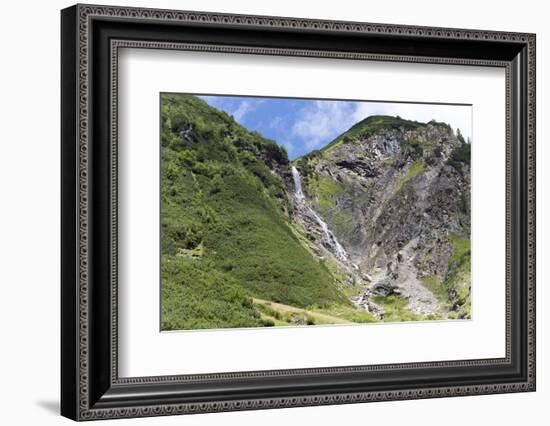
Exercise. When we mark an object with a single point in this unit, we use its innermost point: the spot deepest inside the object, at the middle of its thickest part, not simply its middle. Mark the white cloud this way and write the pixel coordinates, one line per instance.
(276, 122)
(244, 108)
(321, 121)
(288, 146)
(318, 122)
(228, 104)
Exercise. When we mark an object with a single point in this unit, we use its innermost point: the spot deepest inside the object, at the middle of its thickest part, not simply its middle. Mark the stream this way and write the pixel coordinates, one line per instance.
(329, 239)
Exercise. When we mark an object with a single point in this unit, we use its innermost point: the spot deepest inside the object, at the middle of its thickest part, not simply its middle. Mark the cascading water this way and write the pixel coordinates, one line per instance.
(328, 237)
(298, 193)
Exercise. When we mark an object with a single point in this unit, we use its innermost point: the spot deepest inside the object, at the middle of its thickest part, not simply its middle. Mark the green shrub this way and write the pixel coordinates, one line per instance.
(413, 146)
(395, 309)
(276, 152)
(218, 194)
(216, 185)
(458, 278)
(460, 137)
(460, 155)
(195, 296)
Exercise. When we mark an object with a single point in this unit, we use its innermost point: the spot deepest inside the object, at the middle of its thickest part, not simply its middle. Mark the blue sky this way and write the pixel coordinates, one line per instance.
(303, 125)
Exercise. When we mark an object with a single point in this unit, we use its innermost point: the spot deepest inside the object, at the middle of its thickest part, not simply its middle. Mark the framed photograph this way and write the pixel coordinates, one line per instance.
(263, 212)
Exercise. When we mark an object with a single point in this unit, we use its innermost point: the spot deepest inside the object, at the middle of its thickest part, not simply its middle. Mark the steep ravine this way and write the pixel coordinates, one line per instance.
(328, 245)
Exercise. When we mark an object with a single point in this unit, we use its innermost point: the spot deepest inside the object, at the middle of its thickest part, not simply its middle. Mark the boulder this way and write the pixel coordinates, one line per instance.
(366, 277)
(383, 288)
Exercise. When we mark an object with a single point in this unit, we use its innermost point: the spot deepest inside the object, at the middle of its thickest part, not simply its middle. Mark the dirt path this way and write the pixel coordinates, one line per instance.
(319, 317)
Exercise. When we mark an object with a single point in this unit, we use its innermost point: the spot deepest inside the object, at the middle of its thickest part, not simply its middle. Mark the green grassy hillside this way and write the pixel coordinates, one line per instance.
(370, 126)
(225, 237)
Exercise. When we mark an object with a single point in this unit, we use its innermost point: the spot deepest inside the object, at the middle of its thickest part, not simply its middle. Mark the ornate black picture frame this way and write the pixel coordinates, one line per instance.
(91, 36)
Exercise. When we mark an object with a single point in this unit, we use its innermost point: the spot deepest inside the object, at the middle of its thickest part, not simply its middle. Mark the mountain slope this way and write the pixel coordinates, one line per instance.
(374, 226)
(225, 236)
(396, 195)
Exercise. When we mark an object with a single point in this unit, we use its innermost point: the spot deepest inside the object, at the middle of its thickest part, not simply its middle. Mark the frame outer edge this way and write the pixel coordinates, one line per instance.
(81, 318)
(69, 220)
(83, 85)
(531, 201)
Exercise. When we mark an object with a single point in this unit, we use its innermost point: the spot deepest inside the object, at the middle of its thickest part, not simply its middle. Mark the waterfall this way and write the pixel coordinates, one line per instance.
(297, 184)
(329, 238)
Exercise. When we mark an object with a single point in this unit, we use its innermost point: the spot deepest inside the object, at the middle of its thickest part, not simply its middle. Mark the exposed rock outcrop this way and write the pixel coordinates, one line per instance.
(394, 195)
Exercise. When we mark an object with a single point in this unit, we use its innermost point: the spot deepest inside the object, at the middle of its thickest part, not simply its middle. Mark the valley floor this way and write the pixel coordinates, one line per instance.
(394, 308)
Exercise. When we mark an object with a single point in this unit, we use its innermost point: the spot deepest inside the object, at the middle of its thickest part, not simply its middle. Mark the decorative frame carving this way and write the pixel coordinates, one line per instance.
(85, 396)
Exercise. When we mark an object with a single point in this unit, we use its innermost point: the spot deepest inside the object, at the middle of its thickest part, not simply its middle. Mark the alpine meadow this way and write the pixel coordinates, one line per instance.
(370, 223)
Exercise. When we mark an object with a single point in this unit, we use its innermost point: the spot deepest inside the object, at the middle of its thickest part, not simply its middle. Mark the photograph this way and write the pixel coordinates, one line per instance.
(265, 210)
(280, 211)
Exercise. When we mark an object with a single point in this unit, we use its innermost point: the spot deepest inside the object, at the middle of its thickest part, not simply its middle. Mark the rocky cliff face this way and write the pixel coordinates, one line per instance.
(395, 194)
(375, 226)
